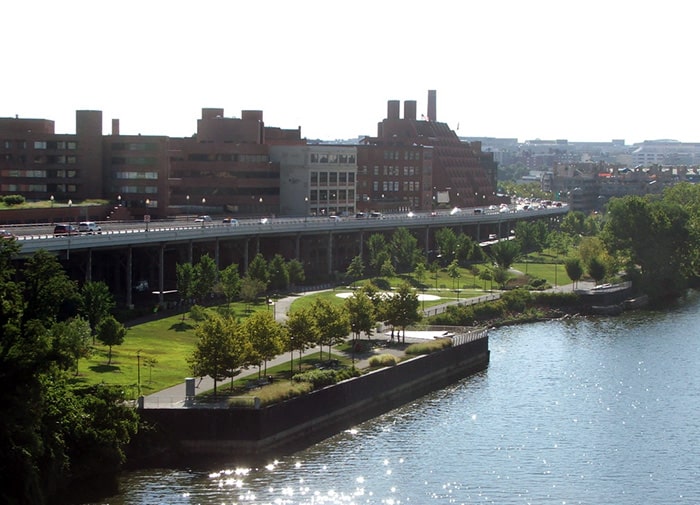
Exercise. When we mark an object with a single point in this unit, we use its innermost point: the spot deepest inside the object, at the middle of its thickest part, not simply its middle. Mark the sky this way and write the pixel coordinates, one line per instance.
(568, 69)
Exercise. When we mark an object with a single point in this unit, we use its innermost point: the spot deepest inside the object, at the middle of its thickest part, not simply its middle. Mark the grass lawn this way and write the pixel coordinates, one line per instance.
(163, 346)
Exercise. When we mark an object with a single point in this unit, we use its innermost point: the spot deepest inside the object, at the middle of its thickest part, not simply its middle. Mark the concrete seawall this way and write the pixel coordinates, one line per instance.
(251, 434)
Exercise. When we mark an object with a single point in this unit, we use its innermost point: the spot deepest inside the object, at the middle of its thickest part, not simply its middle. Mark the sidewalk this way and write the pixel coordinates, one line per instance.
(174, 397)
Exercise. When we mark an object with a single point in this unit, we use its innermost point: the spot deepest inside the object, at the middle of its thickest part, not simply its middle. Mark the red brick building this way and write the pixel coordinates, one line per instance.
(418, 164)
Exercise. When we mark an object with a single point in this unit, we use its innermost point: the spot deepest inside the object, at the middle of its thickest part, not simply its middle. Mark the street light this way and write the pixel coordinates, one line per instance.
(51, 198)
(306, 205)
(119, 200)
(187, 208)
(147, 217)
(138, 371)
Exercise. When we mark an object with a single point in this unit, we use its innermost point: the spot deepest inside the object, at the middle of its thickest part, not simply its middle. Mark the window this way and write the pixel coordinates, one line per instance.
(314, 178)
(39, 144)
(333, 178)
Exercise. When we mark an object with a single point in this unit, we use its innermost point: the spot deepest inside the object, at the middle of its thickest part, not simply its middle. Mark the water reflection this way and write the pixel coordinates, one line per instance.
(578, 411)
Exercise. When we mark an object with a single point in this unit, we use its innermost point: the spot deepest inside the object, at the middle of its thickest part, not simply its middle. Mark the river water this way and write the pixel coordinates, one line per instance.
(582, 411)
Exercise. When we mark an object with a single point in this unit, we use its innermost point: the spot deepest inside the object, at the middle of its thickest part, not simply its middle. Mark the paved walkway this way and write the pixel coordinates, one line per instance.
(174, 397)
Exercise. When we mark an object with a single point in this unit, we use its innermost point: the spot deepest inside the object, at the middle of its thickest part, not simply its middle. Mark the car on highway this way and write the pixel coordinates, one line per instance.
(230, 221)
(64, 229)
(203, 219)
(6, 234)
(89, 227)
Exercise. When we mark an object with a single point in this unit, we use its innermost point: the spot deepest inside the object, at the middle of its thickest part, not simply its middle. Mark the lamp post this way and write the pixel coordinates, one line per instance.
(51, 198)
(147, 217)
(306, 208)
(187, 208)
(138, 371)
(119, 200)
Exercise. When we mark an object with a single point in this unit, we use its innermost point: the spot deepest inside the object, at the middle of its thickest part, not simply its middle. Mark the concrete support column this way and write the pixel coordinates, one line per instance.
(190, 252)
(88, 272)
(245, 256)
(330, 253)
(297, 247)
(161, 273)
(129, 274)
(216, 253)
(427, 242)
(362, 243)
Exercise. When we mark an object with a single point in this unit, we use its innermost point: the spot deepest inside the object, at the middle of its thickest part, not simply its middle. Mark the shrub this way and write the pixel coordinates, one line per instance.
(13, 200)
(318, 378)
(517, 299)
(381, 360)
(563, 299)
(198, 313)
(428, 347)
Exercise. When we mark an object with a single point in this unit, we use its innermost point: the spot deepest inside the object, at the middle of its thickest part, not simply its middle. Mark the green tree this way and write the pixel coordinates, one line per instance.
(111, 332)
(505, 253)
(301, 333)
(206, 277)
(361, 314)
(230, 282)
(277, 273)
(403, 309)
(596, 269)
(266, 336)
(96, 303)
(297, 275)
(573, 223)
(419, 272)
(404, 250)
(356, 269)
(574, 269)
(185, 273)
(467, 249)
(251, 289)
(453, 271)
(215, 350)
(332, 323)
(378, 252)
(387, 269)
(257, 269)
(446, 241)
(71, 341)
(652, 236)
(49, 293)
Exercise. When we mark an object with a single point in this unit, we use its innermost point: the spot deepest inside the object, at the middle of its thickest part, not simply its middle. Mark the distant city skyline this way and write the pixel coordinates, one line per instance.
(584, 71)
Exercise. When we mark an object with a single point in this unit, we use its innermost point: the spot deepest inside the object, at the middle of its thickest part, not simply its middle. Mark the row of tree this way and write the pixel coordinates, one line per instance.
(226, 346)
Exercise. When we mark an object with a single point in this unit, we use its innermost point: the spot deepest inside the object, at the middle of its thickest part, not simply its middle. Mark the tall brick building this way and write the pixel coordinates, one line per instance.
(421, 163)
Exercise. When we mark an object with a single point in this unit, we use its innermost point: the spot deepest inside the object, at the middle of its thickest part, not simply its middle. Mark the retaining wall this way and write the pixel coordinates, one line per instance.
(245, 434)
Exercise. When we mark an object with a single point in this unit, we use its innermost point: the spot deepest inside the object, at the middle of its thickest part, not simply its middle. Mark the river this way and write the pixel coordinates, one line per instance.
(581, 411)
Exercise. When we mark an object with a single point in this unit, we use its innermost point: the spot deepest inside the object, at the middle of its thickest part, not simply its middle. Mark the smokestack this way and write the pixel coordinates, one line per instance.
(432, 105)
(392, 109)
(409, 109)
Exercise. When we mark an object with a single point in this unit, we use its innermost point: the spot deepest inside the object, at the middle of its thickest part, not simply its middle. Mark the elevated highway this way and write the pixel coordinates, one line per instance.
(127, 255)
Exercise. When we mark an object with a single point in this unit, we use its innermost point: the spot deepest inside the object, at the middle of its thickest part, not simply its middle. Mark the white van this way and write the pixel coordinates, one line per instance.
(89, 227)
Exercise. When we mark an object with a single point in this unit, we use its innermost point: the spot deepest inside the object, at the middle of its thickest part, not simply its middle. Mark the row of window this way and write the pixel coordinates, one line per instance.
(134, 146)
(39, 188)
(231, 157)
(332, 178)
(407, 155)
(22, 144)
(323, 195)
(40, 174)
(147, 161)
(395, 171)
(56, 159)
(135, 175)
(408, 186)
(332, 158)
(151, 190)
(251, 175)
(47, 144)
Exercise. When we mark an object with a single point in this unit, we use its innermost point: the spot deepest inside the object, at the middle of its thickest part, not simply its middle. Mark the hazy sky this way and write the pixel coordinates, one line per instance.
(582, 70)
